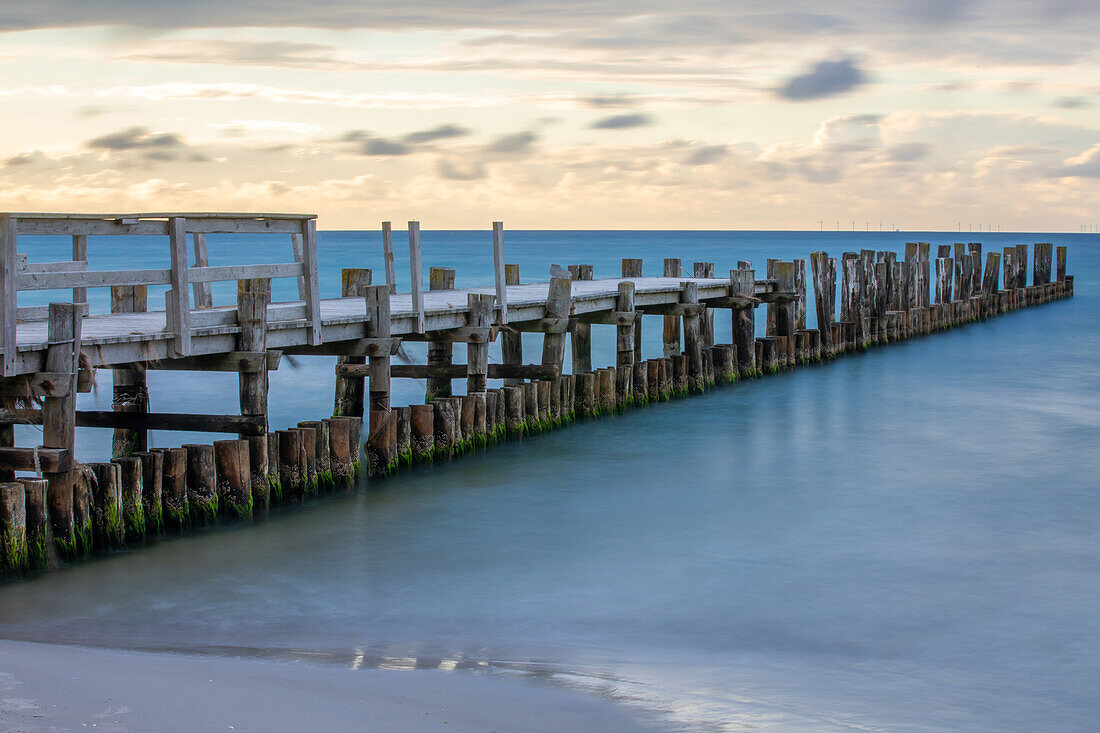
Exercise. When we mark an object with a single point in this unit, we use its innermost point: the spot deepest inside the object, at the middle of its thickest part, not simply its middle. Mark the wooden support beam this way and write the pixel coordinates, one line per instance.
(581, 339)
(387, 256)
(382, 428)
(46, 460)
(439, 349)
(633, 268)
(511, 347)
(231, 361)
(178, 304)
(479, 315)
(610, 318)
(743, 319)
(520, 372)
(558, 304)
(37, 385)
(59, 418)
(130, 390)
(543, 325)
(253, 297)
(242, 424)
(624, 345)
(353, 347)
(671, 332)
(671, 310)
(349, 393)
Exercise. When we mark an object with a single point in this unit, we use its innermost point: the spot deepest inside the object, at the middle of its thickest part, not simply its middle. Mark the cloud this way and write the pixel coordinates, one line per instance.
(1072, 103)
(23, 159)
(707, 154)
(622, 122)
(379, 146)
(441, 132)
(826, 79)
(1087, 165)
(454, 171)
(134, 138)
(907, 152)
(519, 142)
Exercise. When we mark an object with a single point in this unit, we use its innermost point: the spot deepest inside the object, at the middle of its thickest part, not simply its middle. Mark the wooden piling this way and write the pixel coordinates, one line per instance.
(382, 430)
(340, 449)
(233, 478)
(639, 383)
(671, 331)
(322, 467)
(586, 392)
(706, 326)
(422, 432)
(624, 344)
(349, 394)
(130, 391)
(479, 315)
(13, 529)
(633, 268)
(542, 389)
(259, 475)
(824, 275)
(467, 413)
(174, 494)
(107, 526)
(531, 407)
(403, 418)
(514, 421)
(307, 458)
(492, 396)
(511, 340)
(291, 478)
(582, 333)
(59, 419)
(131, 478)
(82, 510)
(743, 285)
(439, 352)
(607, 403)
(693, 346)
(1060, 269)
(202, 496)
(664, 377)
(680, 377)
(152, 482)
(37, 527)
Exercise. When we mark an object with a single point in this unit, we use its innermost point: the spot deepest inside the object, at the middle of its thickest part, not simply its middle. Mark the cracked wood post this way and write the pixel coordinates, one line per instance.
(177, 510)
(1060, 269)
(59, 419)
(671, 332)
(944, 268)
(693, 341)
(202, 495)
(784, 312)
(131, 481)
(824, 274)
(152, 490)
(706, 270)
(800, 290)
(511, 341)
(581, 338)
(130, 392)
(771, 308)
(479, 315)
(13, 528)
(348, 400)
(253, 297)
(382, 429)
(624, 345)
(233, 472)
(107, 530)
(743, 320)
(38, 521)
(558, 305)
(440, 353)
(633, 268)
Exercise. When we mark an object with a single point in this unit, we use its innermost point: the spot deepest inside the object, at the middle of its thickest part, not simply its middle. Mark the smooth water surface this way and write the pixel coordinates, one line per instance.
(901, 540)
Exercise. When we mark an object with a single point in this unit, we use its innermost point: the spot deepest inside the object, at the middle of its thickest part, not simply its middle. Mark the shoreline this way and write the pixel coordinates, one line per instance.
(59, 687)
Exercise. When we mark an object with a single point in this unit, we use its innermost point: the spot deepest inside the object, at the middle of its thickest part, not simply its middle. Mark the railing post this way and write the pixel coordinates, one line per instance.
(309, 279)
(80, 253)
(671, 334)
(387, 256)
(511, 342)
(59, 419)
(415, 272)
(498, 271)
(203, 297)
(179, 302)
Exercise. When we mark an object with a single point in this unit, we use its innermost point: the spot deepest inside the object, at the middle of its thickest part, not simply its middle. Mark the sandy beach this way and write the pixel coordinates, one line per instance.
(46, 687)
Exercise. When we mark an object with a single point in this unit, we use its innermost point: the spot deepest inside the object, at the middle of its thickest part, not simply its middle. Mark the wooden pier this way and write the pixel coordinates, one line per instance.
(66, 510)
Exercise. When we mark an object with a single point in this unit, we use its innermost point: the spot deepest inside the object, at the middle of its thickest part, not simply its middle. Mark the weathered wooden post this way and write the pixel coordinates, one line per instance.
(511, 346)
(133, 511)
(291, 477)
(152, 490)
(202, 496)
(177, 509)
(743, 286)
(558, 304)
(13, 528)
(693, 347)
(671, 332)
(581, 339)
(624, 344)
(232, 469)
(924, 250)
(706, 331)
(439, 352)
(480, 316)
(37, 528)
(800, 291)
(422, 428)
(130, 394)
(349, 391)
(253, 298)
(944, 267)
(339, 449)
(1060, 272)
(824, 274)
(784, 274)
(107, 528)
(640, 383)
(307, 458)
(382, 430)
(403, 417)
(514, 421)
(1041, 265)
(59, 419)
(633, 268)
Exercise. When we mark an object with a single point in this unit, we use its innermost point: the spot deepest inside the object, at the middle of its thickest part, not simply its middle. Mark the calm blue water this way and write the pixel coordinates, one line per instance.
(903, 540)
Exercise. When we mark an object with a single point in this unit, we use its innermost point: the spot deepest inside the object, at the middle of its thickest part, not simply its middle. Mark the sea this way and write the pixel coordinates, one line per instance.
(902, 540)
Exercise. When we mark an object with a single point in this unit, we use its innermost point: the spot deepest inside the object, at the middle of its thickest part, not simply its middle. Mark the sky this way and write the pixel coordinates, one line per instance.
(608, 114)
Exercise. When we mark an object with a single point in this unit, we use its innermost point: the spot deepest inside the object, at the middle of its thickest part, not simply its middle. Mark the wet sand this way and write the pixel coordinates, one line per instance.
(45, 687)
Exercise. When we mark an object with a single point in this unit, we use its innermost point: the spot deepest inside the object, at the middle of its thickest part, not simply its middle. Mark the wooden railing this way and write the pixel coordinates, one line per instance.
(17, 274)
